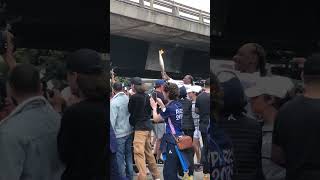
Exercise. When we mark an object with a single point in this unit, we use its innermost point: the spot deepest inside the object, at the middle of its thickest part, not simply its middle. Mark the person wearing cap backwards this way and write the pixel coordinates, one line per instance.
(245, 133)
(266, 99)
(219, 154)
(82, 140)
(140, 118)
(159, 128)
(296, 131)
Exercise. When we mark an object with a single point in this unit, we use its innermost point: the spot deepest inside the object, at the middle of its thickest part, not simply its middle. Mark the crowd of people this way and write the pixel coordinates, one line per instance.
(260, 129)
(247, 124)
(147, 126)
(39, 138)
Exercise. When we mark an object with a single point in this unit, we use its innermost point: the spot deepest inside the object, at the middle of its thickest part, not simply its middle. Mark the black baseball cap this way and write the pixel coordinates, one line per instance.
(183, 92)
(136, 81)
(85, 61)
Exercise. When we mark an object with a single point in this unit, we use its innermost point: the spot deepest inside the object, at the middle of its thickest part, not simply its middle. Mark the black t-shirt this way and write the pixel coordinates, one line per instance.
(82, 140)
(203, 104)
(187, 120)
(297, 132)
(246, 136)
(140, 112)
(160, 96)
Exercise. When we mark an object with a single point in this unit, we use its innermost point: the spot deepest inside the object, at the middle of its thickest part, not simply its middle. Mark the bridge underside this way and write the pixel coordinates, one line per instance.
(137, 29)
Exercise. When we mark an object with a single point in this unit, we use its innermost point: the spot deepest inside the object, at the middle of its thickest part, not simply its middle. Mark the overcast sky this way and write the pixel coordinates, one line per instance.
(199, 4)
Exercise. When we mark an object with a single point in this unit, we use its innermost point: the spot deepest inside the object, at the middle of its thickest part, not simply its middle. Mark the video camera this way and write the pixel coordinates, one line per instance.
(3, 38)
(286, 66)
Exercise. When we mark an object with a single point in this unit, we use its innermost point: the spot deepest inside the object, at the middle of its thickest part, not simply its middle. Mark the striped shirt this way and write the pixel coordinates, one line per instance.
(195, 116)
(246, 137)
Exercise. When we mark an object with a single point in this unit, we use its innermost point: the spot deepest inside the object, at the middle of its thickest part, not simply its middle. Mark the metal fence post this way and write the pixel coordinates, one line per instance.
(175, 9)
(201, 17)
(141, 2)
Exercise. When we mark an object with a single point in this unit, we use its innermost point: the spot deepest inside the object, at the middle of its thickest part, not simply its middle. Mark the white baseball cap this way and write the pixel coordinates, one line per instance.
(194, 88)
(269, 86)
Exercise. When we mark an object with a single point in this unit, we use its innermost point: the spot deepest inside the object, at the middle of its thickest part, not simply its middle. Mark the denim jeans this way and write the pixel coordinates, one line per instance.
(124, 156)
(114, 170)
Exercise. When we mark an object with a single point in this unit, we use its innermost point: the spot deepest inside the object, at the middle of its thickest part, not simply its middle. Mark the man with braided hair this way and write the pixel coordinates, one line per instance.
(251, 58)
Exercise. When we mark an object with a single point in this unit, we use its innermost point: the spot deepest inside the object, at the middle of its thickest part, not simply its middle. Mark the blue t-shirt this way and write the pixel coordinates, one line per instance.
(173, 111)
(220, 154)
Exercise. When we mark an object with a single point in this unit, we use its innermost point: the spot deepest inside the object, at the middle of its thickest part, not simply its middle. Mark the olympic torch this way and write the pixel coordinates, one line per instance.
(161, 60)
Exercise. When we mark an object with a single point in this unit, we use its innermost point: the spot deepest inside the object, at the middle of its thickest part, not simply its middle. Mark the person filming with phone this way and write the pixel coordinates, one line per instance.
(172, 114)
(159, 128)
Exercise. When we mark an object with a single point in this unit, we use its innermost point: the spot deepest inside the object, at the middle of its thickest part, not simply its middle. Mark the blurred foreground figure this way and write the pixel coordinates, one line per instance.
(82, 139)
(266, 99)
(296, 131)
(28, 136)
(244, 132)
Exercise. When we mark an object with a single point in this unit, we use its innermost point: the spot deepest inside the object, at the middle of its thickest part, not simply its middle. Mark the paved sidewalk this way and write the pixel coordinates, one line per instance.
(197, 175)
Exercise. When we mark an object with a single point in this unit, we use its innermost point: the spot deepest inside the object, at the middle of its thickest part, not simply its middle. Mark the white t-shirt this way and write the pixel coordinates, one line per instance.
(196, 119)
(180, 83)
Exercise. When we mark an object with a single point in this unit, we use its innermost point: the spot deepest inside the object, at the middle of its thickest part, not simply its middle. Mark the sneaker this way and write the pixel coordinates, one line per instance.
(206, 177)
(198, 168)
(135, 169)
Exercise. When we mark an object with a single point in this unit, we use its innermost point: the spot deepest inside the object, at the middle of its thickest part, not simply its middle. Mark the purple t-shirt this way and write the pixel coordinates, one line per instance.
(173, 111)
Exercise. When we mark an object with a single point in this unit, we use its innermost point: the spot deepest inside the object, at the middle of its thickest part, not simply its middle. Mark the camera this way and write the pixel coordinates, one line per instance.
(287, 67)
(4, 29)
(3, 93)
(3, 41)
(154, 96)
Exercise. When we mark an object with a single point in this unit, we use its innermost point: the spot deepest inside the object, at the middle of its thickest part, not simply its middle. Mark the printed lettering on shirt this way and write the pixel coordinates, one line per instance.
(179, 114)
(222, 169)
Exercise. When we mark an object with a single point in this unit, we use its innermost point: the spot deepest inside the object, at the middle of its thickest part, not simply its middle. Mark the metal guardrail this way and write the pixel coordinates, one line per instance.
(177, 9)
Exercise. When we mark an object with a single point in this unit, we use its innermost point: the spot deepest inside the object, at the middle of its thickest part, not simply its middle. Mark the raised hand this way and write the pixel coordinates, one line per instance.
(161, 51)
(153, 103)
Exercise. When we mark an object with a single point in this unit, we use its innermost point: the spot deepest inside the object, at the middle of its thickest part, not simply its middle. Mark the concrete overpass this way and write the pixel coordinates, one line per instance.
(141, 28)
(161, 21)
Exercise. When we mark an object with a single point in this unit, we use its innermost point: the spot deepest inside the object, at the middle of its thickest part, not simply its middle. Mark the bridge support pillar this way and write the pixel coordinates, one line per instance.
(172, 58)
